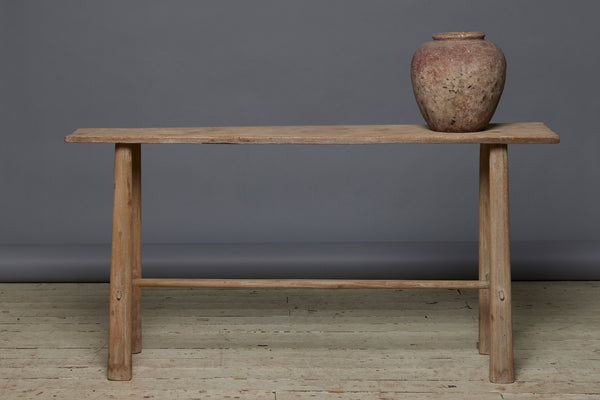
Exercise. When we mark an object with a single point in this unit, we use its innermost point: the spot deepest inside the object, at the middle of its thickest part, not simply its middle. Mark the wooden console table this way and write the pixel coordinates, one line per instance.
(494, 285)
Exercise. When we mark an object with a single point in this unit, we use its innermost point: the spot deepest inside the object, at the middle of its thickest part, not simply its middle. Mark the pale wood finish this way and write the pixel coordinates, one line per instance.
(501, 350)
(136, 237)
(528, 132)
(494, 291)
(311, 283)
(298, 344)
(484, 247)
(120, 316)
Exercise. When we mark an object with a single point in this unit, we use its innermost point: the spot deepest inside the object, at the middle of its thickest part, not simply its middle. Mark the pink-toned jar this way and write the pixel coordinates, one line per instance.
(458, 79)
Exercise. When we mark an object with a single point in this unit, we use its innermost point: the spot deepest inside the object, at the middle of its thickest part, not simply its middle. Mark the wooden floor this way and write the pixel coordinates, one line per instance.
(279, 344)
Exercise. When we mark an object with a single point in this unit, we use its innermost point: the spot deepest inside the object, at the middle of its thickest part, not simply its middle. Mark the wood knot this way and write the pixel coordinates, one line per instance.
(119, 295)
(501, 295)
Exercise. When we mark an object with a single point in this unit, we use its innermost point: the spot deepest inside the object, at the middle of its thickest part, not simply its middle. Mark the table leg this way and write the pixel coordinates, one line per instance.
(484, 248)
(136, 235)
(501, 350)
(119, 327)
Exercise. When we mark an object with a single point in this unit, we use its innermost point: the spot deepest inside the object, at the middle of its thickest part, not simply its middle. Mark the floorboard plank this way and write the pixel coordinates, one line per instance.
(298, 344)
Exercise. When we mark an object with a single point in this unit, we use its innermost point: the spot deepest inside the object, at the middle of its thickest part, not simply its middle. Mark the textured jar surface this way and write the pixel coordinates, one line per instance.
(458, 80)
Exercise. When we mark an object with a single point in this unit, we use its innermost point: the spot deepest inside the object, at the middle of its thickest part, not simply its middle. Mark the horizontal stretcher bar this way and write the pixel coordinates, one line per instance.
(312, 283)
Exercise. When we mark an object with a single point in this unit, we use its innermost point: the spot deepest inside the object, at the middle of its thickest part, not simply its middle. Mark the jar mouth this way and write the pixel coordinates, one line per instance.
(458, 35)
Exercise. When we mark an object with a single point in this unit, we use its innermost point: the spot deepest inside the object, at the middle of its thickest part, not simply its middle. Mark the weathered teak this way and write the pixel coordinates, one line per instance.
(494, 285)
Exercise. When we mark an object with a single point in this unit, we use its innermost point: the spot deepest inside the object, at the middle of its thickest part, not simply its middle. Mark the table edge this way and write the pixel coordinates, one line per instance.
(552, 138)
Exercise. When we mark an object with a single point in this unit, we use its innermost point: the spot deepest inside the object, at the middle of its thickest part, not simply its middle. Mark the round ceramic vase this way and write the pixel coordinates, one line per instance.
(458, 79)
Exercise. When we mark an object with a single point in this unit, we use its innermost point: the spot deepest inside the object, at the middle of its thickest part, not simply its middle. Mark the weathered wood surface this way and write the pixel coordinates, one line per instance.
(484, 247)
(312, 283)
(501, 343)
(299, 344)
(526, 132)
(136, 238)
(121, 260)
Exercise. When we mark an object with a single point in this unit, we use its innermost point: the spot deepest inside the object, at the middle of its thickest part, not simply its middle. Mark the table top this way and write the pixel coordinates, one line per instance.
(507, 133)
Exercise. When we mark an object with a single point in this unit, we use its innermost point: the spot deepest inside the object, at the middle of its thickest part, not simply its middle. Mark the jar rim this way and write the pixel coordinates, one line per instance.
(458, 35)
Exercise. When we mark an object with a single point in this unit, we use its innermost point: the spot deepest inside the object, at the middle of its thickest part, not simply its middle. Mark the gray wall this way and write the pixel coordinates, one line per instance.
(71, 64)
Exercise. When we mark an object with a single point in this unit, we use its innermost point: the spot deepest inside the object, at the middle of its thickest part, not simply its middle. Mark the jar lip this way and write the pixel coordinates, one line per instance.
(458, 35)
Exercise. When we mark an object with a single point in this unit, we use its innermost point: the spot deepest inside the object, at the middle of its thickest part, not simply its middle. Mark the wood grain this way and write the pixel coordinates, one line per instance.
(484, 247)
(136, 238)
(501, 346)
(311, 283)
(298, 344)
(528, 132)
(495, 329)
(119, 330)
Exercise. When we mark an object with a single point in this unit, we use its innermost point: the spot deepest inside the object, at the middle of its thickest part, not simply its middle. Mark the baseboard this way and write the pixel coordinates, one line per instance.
(542, 260)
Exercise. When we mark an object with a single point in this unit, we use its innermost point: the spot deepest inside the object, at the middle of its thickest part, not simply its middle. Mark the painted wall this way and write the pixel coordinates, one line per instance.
(70, 64)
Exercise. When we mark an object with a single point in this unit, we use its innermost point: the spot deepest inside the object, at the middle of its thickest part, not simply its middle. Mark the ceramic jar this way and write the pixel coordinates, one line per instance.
(458, 79)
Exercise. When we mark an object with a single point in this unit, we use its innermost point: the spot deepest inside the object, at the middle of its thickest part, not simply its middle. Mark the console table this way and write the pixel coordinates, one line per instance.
(494, 284)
